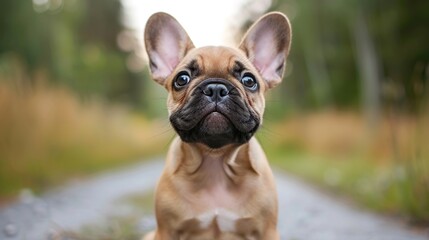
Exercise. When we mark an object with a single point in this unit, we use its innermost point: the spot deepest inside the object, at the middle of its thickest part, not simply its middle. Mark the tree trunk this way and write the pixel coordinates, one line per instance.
(369, 71)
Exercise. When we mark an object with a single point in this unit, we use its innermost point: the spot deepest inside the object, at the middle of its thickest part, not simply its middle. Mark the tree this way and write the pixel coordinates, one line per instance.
(75, 42)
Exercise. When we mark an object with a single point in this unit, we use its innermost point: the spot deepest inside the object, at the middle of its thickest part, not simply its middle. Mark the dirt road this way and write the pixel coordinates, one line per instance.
(305, 213)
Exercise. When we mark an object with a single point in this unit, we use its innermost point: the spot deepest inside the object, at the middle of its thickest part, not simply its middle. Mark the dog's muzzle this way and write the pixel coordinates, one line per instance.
(215, 114)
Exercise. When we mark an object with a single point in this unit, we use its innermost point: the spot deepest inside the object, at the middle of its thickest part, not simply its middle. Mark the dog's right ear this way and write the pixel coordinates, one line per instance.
(166, 44)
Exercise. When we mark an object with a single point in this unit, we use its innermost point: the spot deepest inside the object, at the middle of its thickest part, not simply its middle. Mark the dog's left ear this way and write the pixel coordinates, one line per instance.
(267, 44)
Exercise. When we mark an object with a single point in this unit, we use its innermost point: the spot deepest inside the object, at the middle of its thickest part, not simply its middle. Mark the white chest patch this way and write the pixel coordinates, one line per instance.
(222, 218)
(221, 224)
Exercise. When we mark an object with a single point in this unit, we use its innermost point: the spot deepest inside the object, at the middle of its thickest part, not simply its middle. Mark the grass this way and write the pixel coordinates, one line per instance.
(386, 169)
(49, 136)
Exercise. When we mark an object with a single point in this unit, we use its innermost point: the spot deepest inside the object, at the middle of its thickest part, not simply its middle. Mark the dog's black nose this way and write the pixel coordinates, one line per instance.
(216, 91)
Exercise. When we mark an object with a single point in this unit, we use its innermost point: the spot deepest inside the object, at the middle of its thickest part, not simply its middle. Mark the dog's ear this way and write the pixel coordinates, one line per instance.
(267, 44)
(166, 44)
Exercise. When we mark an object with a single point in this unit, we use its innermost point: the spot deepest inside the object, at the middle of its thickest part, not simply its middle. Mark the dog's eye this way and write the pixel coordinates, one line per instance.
(181, 80)
(249, 82)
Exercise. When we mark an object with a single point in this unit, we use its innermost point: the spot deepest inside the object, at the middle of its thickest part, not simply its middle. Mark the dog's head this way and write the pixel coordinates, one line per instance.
(216, 94)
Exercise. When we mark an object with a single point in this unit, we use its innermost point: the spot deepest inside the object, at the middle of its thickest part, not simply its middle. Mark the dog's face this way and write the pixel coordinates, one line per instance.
(215, 97)
(216, 94)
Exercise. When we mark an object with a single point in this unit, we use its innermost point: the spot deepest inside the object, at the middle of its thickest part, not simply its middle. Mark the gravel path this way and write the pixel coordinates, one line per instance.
(305, 213)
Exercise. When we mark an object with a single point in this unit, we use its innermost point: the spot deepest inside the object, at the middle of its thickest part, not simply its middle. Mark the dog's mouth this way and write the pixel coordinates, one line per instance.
(215, 130)
(215, 123)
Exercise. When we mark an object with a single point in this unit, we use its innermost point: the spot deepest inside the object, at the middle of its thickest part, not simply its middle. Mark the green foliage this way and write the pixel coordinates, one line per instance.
(74, 42)
(324, 58)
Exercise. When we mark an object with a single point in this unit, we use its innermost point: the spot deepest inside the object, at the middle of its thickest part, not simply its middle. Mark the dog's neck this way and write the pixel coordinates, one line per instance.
(202, 163)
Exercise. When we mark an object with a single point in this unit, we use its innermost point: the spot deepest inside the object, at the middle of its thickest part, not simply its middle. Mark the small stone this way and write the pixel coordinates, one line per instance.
(10, 230)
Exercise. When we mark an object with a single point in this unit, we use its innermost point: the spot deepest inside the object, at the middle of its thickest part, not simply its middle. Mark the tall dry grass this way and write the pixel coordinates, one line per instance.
(386, 167)
(48, 135)
(335, 132)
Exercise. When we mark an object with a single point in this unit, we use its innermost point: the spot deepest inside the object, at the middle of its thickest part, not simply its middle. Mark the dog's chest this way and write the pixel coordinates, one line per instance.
(214, 189)
(218, 196)
(219, 211)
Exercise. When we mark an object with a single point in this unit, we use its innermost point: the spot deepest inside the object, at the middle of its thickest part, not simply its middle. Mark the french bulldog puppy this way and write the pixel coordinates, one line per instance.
(217, 183)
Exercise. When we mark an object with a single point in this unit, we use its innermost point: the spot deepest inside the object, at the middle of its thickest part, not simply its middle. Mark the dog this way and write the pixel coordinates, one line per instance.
(217, 183)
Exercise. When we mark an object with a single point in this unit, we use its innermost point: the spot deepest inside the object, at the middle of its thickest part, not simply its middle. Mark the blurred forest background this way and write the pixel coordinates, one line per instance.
(352, 113)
